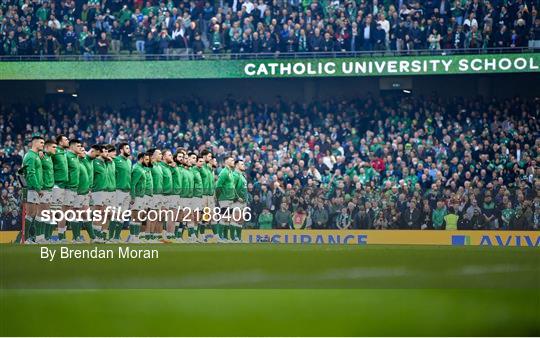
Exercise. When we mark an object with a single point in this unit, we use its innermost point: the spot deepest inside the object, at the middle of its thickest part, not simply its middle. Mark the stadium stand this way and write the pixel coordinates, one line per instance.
(400, 163)
(191, 29)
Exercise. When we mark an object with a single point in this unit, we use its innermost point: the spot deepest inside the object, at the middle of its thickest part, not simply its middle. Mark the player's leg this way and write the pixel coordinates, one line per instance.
(237, 221)
(135, 222)
(58, 201)
(171, 217)
(123, 200)
(71, 202)
(98, 201)
(39, 222)
(32, 199)
(105, 226)
(210, 205)
(225, 220)
(87, 222)
(63, 224)
(179, 224)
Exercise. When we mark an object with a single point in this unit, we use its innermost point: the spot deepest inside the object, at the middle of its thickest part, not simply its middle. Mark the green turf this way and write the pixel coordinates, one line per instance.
(282, 266)
(274, 290)
(269, 312)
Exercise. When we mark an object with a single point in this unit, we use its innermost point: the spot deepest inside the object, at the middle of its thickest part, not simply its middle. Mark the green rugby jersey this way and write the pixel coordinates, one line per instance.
(157, 178)
(176, 180)
(225, 185)
(167, 186)
(197, 182)
(84, 181)
(208, 180)
(182, 181)
(87, 161)
(138, 181)
(48, 171)
(149, 186)
(33, 171)
(188, 183)
(240, 185)
(110, 169)
(123, 173)
(60, 167)
(74, 170)
(100, 175)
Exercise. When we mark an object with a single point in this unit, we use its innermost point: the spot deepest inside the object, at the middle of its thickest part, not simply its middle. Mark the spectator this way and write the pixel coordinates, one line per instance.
(266, 220)
(283, 218)
(103, 45)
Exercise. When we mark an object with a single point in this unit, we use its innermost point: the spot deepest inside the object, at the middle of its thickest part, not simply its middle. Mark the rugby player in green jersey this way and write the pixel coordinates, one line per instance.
(80, 201)
(146, 234)
(99, 188)
(110, 192)
(122, 163)
(225, 195)
(156, 227)
(138, 202)
(60, 179)
(169, 171)
(240, 202)
(188, 198)
(72, 184)
(33, 174)
(85, 184)
(175, 198)
(95, 152)
(48, 183)
(198, 202)
(182, 193)
(208, 181)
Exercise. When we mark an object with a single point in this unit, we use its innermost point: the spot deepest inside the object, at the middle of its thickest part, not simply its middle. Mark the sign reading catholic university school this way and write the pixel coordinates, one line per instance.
(271, 68)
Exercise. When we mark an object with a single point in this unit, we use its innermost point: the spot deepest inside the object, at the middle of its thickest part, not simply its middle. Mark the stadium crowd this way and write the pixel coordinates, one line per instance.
(405, 163)
(181, 27)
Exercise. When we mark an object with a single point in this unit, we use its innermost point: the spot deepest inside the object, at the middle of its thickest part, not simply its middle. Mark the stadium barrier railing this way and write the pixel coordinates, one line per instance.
(264, 56)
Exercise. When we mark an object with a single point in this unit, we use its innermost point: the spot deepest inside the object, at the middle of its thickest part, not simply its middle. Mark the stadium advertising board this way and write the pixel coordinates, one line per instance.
(272, 68)
(371, 237)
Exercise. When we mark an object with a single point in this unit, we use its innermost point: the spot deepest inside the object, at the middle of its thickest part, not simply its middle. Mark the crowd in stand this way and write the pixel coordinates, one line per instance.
(401, 163)
(195, 27)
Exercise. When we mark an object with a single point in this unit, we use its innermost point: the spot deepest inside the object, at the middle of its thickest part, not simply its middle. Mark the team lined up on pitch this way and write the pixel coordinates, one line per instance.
(102, 191)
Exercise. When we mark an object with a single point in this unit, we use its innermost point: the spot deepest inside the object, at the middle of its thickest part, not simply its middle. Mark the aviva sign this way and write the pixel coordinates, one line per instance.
(397, 237)
(271, 68)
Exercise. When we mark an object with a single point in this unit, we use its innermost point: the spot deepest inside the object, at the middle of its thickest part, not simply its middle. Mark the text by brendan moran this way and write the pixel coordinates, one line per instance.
(121, 252)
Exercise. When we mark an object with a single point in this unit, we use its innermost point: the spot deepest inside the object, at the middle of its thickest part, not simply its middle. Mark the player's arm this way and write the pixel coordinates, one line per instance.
(29, 165)
(135, 178)
(222, 178)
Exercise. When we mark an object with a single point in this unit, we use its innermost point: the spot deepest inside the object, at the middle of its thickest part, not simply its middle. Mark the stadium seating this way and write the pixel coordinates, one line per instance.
(191, 29)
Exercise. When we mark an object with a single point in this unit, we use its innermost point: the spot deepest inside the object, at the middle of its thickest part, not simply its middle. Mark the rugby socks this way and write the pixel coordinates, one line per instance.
(28, 222)
(97, 231)
(76, 230)
(40, 229)
(238, 232)
(219, 230)
(118, 230)
(202, 229)
(90, 230)
(62, 233)
(112, 229)
(226, 229)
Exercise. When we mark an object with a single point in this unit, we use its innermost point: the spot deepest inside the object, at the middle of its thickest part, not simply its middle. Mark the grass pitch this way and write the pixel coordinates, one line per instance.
(269, 289)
